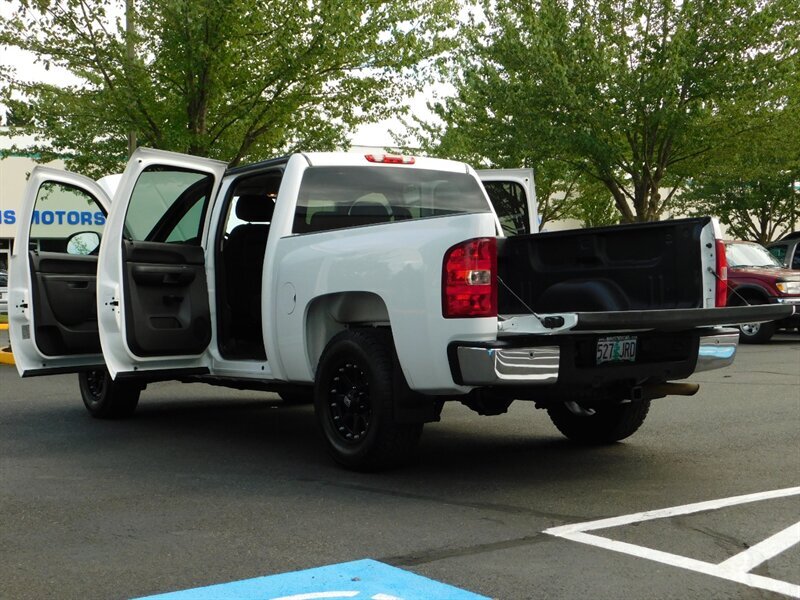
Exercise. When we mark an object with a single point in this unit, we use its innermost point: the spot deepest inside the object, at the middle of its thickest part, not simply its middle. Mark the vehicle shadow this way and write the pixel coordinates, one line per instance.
(260, 439)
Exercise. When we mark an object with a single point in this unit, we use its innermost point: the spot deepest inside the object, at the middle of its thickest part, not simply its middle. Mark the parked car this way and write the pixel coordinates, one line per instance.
(787, 250)
(756, 277)
(3, 291)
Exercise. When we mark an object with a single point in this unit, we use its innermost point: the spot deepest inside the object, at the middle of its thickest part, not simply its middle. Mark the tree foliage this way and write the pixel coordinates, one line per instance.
(635, 94)
(230, 79)
(753, 187)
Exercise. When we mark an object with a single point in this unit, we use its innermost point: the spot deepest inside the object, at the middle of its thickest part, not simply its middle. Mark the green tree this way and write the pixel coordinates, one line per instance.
(751, 186)
(18, 113)
(230, 79)
(635, 94)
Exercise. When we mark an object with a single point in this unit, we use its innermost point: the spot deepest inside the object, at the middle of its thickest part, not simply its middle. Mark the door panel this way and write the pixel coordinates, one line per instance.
(166, 299)
(53, 283)
(64, 295)
(153, 293)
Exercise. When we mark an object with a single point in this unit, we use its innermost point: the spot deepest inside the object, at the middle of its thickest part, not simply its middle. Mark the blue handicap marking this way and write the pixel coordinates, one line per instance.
(360, 580)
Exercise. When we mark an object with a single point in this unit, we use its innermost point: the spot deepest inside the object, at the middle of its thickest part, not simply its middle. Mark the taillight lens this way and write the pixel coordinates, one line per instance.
(722, 275)
(469, 279)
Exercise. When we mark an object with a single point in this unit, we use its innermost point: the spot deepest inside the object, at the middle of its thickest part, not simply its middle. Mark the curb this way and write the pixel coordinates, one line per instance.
(6, 358)
(3, 326)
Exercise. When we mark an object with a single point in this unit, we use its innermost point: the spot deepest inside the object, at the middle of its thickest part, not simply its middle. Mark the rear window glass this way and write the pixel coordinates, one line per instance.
(338, 197)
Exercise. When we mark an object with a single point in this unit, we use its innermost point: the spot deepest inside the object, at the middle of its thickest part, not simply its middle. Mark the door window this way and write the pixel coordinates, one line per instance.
(779, 252)
(61, 212)
(511, 205)
(796, 259)
(169, 205)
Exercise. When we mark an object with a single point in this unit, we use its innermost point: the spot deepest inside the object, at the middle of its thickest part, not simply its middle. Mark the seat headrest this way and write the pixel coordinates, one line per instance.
(368, 209)
(254, 208)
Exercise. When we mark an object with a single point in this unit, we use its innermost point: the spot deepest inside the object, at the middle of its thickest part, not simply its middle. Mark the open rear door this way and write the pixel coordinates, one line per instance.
(153, 294)
(53, 274)
(513, 195)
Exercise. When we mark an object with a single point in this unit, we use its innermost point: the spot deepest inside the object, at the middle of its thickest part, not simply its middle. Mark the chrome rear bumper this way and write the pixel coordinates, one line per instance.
(717, 351)
(540, 365)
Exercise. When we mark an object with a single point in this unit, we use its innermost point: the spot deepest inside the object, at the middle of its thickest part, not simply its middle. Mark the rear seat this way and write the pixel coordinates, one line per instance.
(366, 213)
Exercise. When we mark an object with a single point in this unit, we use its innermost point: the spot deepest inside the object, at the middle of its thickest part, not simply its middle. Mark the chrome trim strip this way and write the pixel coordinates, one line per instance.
(717, 351)
(492, 366)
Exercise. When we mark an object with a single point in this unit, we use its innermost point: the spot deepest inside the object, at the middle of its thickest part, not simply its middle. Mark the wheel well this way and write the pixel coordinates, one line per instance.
(739, 296)
(328, 315)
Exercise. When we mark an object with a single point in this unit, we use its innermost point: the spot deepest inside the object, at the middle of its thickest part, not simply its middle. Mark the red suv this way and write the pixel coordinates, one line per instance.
(756, 277)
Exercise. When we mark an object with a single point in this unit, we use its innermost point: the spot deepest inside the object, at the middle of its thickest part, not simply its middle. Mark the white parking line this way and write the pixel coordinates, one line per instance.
(734, 569)
(763, 551)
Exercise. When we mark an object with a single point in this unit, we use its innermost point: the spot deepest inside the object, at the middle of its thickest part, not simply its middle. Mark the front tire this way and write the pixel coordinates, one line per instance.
(607, 424)
(354, 396)
(105, 398)
(756, 333)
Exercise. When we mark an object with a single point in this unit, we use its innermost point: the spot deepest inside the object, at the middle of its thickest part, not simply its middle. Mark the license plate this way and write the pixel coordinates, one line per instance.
(616, 349)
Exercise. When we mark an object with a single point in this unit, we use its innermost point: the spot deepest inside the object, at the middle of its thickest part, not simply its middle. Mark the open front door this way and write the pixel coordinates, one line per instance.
(513, 195)
(153, 293)
(52, 310)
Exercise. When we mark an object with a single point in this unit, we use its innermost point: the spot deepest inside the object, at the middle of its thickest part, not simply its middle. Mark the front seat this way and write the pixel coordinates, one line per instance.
(243, 255)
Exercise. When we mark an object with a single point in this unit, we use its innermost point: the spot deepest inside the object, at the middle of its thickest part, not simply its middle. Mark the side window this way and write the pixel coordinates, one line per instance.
(62, 213)
(796, 259)
(510, 204)
(169, 205)
(779, 252)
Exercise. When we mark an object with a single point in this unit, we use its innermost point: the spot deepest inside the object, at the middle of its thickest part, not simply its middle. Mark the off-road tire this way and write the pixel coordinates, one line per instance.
(354, 395)
(607, 425)
(105, 398)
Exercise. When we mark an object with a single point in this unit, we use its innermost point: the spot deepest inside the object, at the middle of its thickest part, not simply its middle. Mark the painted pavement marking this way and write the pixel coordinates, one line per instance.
(737, 568)
(362, 580)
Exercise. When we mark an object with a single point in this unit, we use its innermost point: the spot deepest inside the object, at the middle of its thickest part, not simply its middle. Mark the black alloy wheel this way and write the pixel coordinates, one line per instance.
(349, 402)
(354, 394)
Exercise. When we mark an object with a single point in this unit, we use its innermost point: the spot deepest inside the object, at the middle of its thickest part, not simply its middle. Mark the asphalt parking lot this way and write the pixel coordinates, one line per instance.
(207, 485)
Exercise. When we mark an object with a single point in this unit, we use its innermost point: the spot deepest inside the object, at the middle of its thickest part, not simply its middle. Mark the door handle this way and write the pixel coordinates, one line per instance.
(158, 275)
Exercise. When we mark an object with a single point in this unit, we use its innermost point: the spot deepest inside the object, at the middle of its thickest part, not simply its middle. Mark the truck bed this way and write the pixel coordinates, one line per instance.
(643, 266)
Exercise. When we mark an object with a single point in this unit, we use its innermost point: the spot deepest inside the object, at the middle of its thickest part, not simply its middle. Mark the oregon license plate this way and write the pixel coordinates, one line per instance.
(616, 349)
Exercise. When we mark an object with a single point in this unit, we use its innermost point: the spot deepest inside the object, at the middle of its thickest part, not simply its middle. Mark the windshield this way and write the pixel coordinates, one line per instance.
(750, 255)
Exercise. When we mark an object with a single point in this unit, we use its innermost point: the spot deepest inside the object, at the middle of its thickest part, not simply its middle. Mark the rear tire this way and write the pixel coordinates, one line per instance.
(105, 398)
(607, 425)
(354, 396)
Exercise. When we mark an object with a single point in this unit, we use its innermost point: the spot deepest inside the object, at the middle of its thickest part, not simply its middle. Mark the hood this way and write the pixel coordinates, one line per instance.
(771, 272)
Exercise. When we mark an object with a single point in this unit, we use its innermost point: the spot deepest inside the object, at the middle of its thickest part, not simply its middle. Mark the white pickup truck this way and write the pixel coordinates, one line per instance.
(378, 285)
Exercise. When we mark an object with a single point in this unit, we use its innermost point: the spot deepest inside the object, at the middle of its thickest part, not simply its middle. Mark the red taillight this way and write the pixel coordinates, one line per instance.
(469, 279)
(390, 159)
(722, 275)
